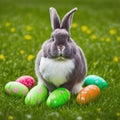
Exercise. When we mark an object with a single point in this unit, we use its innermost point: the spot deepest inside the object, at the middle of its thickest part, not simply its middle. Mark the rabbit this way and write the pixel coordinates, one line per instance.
(60, 62)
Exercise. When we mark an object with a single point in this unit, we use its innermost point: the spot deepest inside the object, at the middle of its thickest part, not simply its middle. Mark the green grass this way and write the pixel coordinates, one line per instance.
(99, 16)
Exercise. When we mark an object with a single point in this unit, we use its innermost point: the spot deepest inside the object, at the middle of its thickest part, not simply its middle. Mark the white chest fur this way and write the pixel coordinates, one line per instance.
(54, 71)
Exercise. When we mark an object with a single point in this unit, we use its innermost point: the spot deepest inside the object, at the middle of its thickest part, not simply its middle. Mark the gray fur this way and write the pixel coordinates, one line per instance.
(55, 20)
(67, 20)
(60, 37)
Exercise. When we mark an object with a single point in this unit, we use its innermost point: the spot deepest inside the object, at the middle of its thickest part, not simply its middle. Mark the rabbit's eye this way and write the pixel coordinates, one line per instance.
(52, 38)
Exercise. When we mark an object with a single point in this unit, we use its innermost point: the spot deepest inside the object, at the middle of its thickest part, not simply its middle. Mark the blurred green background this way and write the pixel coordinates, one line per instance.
(25, 25)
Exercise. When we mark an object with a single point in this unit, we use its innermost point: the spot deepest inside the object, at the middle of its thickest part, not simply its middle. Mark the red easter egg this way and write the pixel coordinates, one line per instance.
(87, 94)
(26, 80)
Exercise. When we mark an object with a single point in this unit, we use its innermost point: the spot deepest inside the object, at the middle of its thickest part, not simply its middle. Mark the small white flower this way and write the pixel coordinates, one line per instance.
(79, 118)
(29, 116)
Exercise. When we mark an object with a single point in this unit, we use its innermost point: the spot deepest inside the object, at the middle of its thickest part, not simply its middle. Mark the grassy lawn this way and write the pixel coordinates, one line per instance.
(25, 25)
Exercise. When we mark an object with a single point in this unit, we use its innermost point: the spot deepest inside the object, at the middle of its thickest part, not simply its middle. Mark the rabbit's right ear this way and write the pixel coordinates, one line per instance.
(67, 20)
(55, 20)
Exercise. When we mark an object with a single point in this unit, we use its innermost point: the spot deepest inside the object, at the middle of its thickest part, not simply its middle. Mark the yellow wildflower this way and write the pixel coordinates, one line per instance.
(30, 57)
(27, 37)
(12, 29)
(98, 109)
(7, 24)
(118, 114)
(118, 38)
(88, 31)
(28, 28)
(22, 52)
(74, 25)
(84, 28)
(115, 59)
(107, 39)
(94, 37)
(112, 31)
(10, 117)
(94, 64)
(2, 57)
(98, 119)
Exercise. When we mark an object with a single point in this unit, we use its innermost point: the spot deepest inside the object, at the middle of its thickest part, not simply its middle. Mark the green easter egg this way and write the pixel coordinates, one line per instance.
(95, 80)
(58, 97)
(36, 95)
(16, 89)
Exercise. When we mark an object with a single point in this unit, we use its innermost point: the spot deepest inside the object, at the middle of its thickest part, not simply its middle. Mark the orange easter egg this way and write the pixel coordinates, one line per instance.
(87, 94)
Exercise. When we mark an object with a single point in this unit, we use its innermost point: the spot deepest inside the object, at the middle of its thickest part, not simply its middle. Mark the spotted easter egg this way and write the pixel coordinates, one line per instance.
(16, 89)
(58, 97)
(26, 80)
(36, 95)
(88, 94)
(95, 80)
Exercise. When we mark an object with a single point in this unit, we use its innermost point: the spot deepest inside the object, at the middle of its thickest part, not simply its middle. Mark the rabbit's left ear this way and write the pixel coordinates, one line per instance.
(67, 20)
(54, 17)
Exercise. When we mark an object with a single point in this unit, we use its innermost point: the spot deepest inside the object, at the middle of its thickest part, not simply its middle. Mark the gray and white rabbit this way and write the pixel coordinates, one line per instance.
(60, 62)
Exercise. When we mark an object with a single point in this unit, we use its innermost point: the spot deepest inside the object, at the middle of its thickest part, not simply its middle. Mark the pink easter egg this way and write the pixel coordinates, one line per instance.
(26, 80)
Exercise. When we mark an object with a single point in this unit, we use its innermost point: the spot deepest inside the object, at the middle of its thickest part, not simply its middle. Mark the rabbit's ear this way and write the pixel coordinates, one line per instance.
(67, 19)
(55, 20)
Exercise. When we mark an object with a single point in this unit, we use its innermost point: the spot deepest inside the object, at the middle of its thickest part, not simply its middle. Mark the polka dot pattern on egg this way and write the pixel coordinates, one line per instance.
(36, 95)
(87, 94)
(95, 80)
(16, 89)
(58, 97)
(26, 80)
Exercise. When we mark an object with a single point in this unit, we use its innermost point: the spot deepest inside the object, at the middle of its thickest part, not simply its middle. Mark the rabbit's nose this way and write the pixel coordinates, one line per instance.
(61, 47)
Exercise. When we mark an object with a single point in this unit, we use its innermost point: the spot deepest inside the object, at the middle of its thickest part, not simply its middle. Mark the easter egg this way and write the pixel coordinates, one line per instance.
(58, 97)
(36, 95)
(95, 80)
(87, 94)
(16, 89)
(26, 80)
